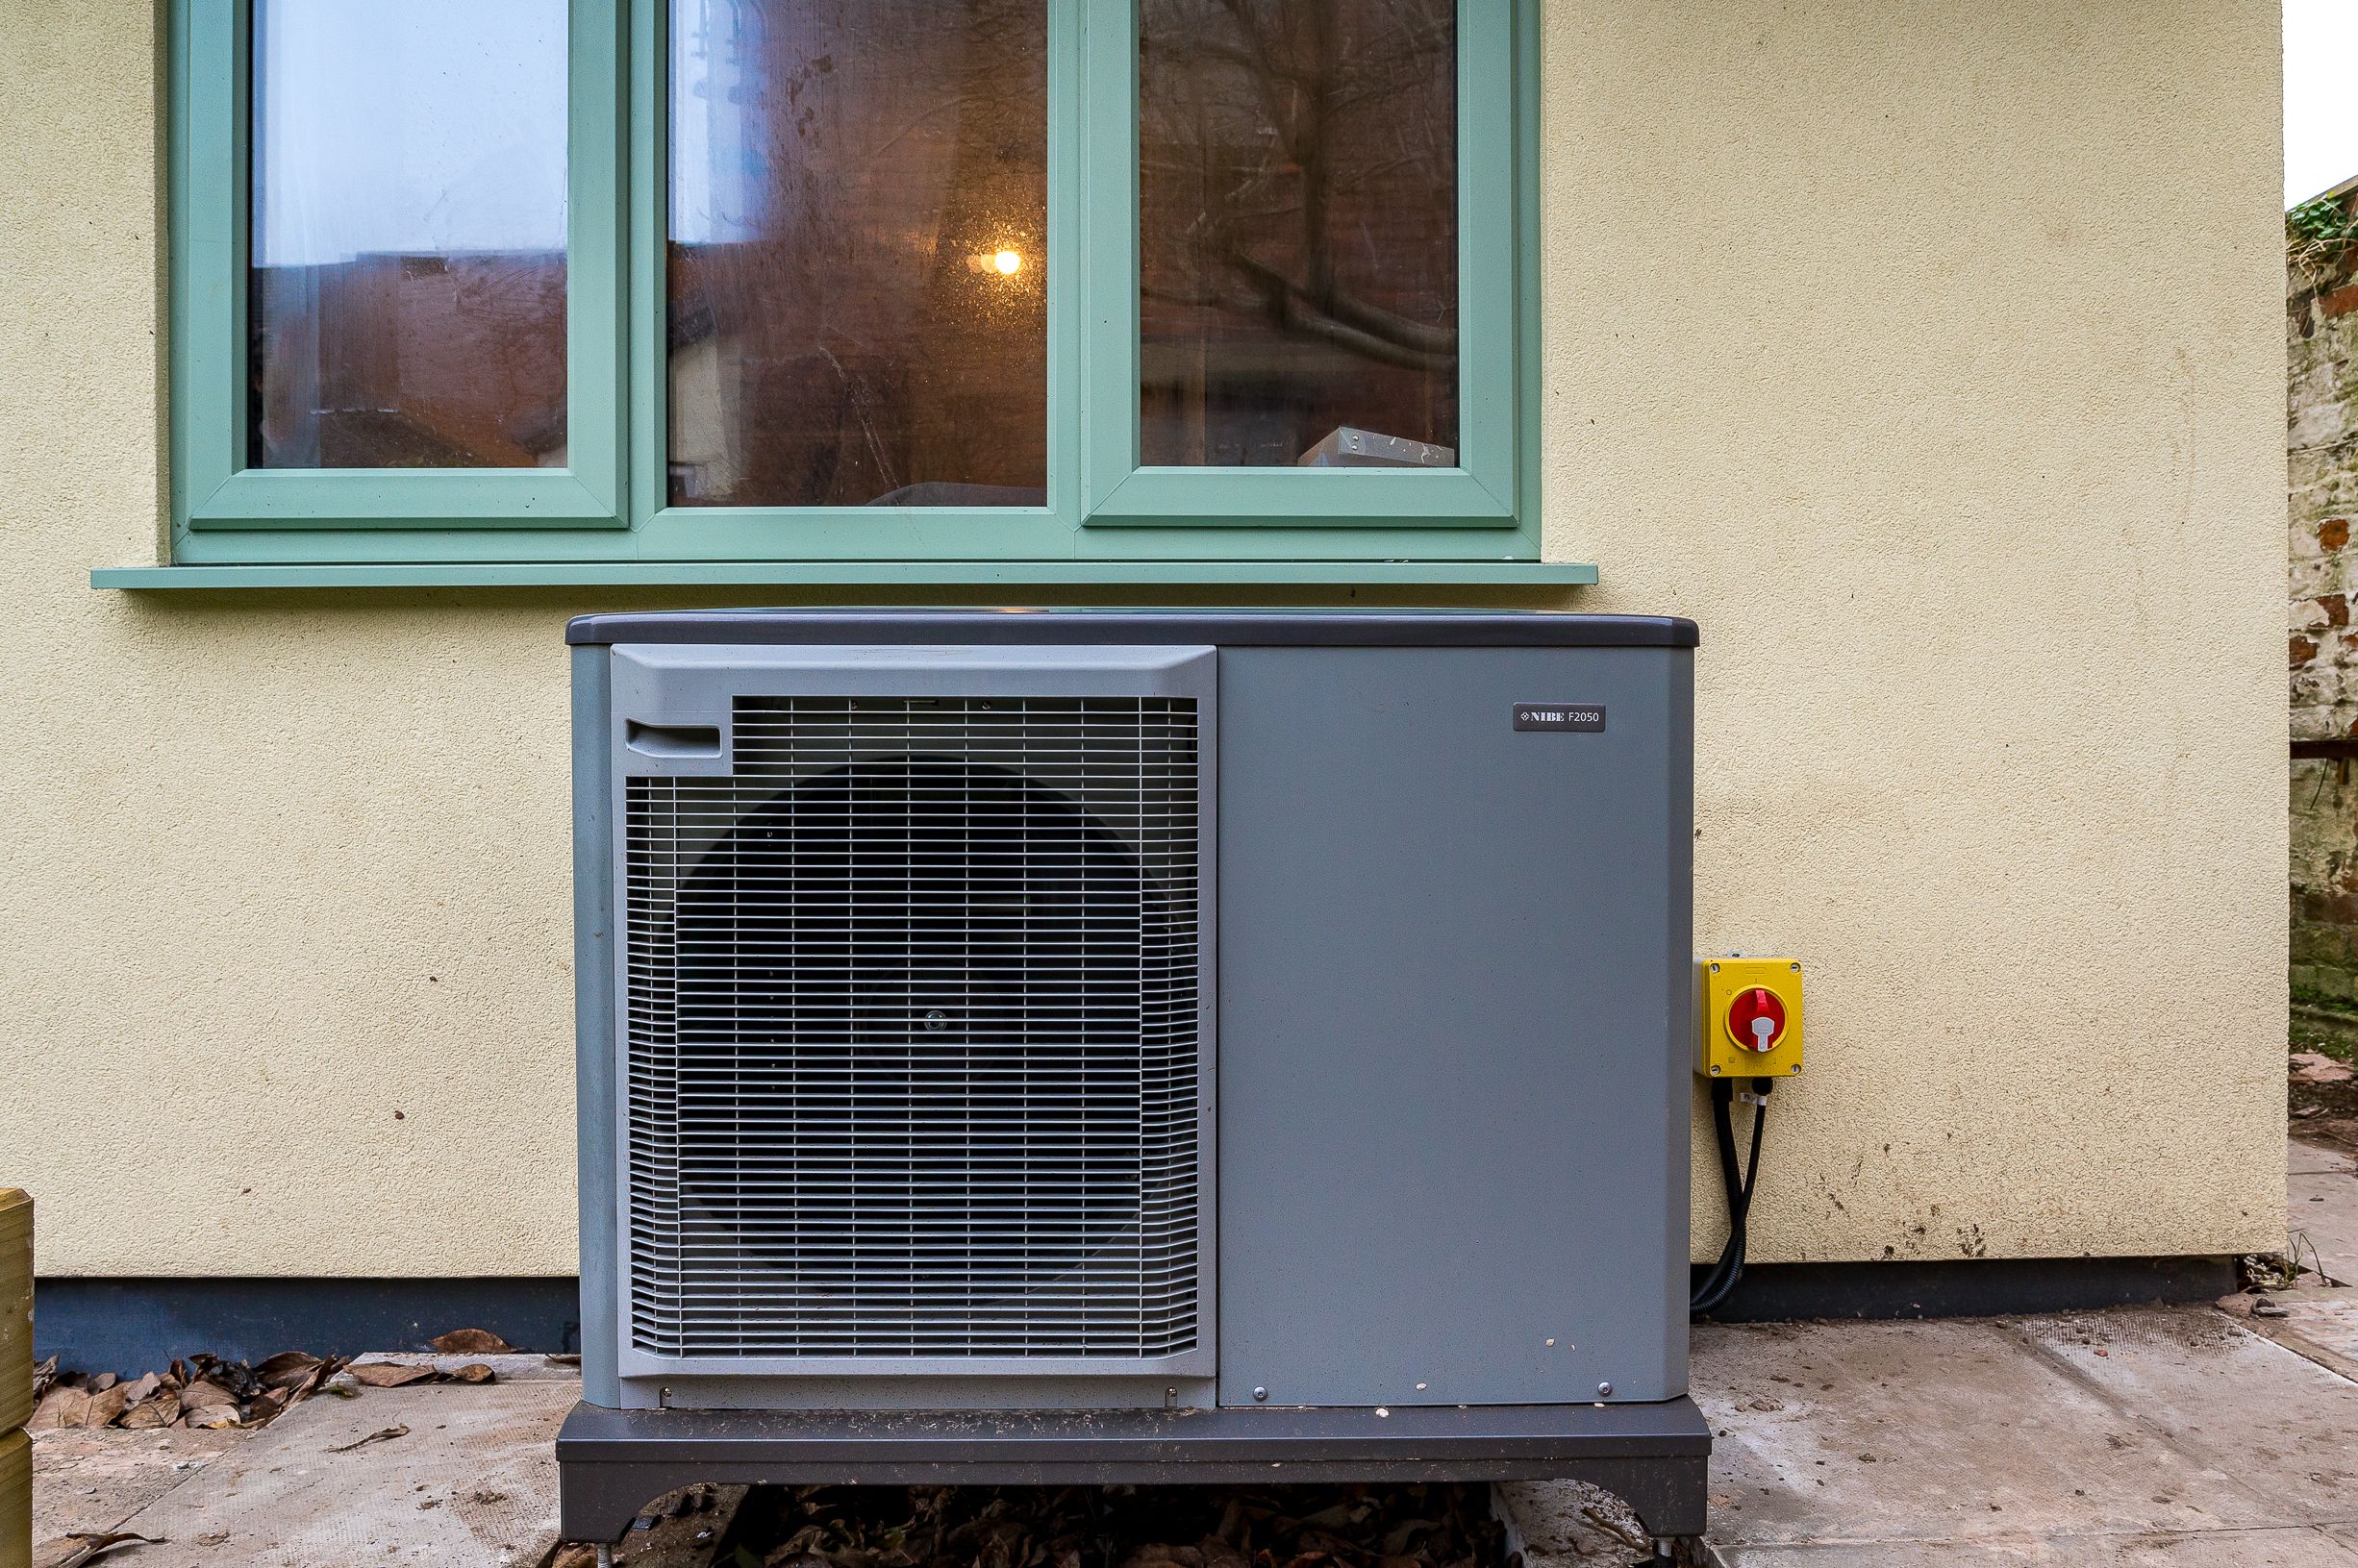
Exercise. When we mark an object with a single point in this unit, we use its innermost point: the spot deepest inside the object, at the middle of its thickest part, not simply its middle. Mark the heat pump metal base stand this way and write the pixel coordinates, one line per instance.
(611, 1463)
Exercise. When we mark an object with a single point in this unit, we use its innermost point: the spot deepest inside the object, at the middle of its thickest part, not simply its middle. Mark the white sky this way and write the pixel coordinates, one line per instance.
(2321, 95)
(421, 125)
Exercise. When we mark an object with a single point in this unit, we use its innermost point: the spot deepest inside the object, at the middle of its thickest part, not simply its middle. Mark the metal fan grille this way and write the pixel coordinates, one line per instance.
(912, 1033)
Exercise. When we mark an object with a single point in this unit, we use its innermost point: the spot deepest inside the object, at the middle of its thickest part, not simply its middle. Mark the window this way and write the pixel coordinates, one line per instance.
(745, 284)
(405, 274)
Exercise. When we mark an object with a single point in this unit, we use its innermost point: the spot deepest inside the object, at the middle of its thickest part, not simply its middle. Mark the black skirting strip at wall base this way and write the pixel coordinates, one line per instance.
(129, 1326)
(1967, 1287)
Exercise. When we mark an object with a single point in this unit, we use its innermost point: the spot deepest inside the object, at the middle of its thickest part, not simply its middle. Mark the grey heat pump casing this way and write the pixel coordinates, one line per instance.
(1437, 1034)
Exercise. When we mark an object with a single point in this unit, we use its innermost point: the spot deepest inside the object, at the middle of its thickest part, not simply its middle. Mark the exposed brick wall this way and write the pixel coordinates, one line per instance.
(2321, 449)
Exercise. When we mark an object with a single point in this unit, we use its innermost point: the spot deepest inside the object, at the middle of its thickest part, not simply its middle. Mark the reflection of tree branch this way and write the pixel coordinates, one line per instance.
(1311, 76)
(1336, 316)
(1325, 329)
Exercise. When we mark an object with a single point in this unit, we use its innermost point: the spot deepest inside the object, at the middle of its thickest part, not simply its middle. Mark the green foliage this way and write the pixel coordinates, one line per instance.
(2316, 1033)
(2316, 231)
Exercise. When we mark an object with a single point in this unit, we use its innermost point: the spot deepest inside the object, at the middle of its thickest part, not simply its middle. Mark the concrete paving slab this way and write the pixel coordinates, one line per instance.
(517, 1368)
(2305, 1158)
(2319, 1322)
(2228, 1400)
(2321, 1208)
(1956, 1430)
(684, 1530)
(1556, 1523)
(472, 1481)
(90, 1482)
(2293, 1548)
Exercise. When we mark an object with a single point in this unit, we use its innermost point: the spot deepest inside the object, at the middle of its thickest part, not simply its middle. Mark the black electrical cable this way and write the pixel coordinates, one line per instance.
(1720, 1283)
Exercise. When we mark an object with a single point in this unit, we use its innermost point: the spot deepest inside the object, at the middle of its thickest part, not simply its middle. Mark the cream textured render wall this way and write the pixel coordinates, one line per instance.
(1928, 355)
(1931, 356)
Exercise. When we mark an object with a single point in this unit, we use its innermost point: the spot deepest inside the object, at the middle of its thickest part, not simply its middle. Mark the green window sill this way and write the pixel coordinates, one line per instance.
(854, 573)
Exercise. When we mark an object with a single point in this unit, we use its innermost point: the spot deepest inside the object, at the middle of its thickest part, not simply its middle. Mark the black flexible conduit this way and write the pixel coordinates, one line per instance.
(1720, 1283)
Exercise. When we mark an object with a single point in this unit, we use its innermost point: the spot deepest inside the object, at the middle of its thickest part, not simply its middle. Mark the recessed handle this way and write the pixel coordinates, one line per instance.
(672, 739)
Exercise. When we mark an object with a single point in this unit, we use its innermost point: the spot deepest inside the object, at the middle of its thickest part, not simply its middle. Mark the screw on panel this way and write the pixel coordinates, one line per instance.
(1604, 1390)
(1796, 969)
(1260, 1393)
(1715, 1072)
(1551, 1342)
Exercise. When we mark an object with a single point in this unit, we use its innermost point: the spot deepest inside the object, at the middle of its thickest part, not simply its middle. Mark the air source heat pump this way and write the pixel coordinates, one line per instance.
(1069, 1046)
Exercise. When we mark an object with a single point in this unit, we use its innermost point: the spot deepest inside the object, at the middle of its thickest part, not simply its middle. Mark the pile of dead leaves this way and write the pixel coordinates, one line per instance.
(208, 1391)
(1433, 1525)
(200, 1391)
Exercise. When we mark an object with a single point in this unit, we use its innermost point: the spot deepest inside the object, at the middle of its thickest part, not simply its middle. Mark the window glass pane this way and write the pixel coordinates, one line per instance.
(1297, 209)
(408, 290)
(859, 202)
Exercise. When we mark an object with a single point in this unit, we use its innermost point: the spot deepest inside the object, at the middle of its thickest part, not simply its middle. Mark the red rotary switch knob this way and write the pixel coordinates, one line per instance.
(1756, 1019)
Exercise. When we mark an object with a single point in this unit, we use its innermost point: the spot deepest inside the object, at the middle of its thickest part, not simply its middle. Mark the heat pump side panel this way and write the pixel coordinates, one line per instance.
(593, 1019)
(1454, 960)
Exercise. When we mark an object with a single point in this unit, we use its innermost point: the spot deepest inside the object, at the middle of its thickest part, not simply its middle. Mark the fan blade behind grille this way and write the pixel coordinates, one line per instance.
(912, 1033)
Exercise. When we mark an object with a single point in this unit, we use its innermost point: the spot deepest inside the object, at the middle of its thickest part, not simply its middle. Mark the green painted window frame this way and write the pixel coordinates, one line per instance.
(214, 492)
(606, 512)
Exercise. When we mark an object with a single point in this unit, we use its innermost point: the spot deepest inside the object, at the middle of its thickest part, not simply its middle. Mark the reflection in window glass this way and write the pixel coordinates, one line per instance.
(407, 287)
(1297, 192)
(858, 206)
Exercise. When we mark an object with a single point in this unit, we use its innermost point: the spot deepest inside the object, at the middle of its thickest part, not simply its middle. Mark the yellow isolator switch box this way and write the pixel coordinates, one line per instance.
(1750, 1021)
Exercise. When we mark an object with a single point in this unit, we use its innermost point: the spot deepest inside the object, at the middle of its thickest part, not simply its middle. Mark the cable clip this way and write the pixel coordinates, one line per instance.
(1751, 1098)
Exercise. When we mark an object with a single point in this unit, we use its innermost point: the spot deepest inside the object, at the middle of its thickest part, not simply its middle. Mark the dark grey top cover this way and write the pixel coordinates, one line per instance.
(1216, 628)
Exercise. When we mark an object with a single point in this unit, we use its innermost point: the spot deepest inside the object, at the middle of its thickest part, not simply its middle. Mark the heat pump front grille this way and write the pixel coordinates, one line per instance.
(912, 1033)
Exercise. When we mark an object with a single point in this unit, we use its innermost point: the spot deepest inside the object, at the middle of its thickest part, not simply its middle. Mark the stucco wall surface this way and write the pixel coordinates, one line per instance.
(1927, 355)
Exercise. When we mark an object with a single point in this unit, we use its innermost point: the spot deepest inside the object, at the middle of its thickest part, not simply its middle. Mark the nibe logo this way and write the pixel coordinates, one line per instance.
(1565, 718)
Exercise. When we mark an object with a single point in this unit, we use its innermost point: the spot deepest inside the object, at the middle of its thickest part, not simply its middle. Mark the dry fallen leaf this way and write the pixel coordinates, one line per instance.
(159, 1409)
(383, 1434)
(83, 1546)
(387, 1374)
(1164, 1554)
(201, 1394)
(60, 1407)
(472, 1342)
(572, 1359)
(2317, 1067)
(288, 1369)
(472, 1371)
